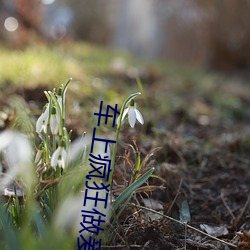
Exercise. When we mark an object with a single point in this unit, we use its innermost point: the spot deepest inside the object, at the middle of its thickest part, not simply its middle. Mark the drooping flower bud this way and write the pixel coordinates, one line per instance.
(42, 121)
(59, 157)
(54, 121)
(133, 114)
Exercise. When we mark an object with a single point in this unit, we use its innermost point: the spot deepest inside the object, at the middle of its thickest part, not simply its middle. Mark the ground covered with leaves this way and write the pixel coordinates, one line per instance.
(196, 135)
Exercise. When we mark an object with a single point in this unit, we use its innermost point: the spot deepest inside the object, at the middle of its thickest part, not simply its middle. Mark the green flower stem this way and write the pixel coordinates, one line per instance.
(65, 87)
(53, 97)
(47, 137)
(118, 132)
(54, 142)
(66, 137)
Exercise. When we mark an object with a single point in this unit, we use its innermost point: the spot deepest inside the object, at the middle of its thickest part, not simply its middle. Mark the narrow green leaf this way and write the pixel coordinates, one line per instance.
(138, 163)
(10, 236)
(128, 191)
(39, 222)
(121, 209)
(185, 212)
(65, 87)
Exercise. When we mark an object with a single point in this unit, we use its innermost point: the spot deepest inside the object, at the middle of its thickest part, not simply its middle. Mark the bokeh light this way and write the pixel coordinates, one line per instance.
(58, 31)
(11, 24)
(48, 2)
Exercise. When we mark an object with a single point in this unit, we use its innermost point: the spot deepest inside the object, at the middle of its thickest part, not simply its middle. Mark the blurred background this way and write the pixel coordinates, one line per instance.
(211, 34)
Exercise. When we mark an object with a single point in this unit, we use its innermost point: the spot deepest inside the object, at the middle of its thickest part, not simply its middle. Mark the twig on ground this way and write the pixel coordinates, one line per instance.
(239, 217)
(184, 224)
(227, 207)
(173, 202)
(121, 246)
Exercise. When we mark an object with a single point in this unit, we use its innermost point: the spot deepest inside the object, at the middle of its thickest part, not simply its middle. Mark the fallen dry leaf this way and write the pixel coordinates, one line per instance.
(215, 231)
(245, 236)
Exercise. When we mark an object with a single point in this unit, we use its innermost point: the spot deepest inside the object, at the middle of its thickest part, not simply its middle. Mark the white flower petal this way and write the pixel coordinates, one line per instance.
(78, 148)
(139, 116)
(54, 124)
(46, 113)
(38, 156)
(39, 123)
(18, 156)
(132, 117)
(61, 163)
(19, 151)
(44, 127)
(59, 99)
(68, 214)
(5, 139)
(125, 112)
(63, 158)
(59, 158)
(55, 156)
(42, 121)
(64, 153)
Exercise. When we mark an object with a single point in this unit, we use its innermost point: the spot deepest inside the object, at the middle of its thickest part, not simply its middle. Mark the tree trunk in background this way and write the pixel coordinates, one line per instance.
(229, 35)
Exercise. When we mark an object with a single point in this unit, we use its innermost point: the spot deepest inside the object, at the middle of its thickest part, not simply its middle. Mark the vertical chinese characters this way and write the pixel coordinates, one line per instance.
(97, 186)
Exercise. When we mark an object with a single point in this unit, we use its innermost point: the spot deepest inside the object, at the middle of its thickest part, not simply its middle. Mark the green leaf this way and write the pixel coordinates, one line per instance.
(10, 236)
(65, 87)
(39, 222)
(121, 209)
(128, 191)
(184, 212)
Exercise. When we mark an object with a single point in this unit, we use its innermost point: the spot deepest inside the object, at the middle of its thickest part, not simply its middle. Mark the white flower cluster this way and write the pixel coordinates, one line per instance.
(50, 116)
(51, 119)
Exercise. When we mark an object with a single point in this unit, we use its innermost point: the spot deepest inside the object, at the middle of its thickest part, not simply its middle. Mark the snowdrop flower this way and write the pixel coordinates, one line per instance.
(39, 154)
(59, 157)
(54, 121)
(68, 215)
(78, 149)
(17, 152)
(17, 148)
(133, 114)
(42, 122)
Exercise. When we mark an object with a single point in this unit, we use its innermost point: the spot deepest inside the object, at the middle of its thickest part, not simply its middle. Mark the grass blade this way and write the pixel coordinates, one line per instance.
(128, 191)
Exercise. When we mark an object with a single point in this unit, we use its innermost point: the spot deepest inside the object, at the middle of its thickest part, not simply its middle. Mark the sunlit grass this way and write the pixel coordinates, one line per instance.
(37, 65)
(51, 64)
(41, 64)
(90, 66)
